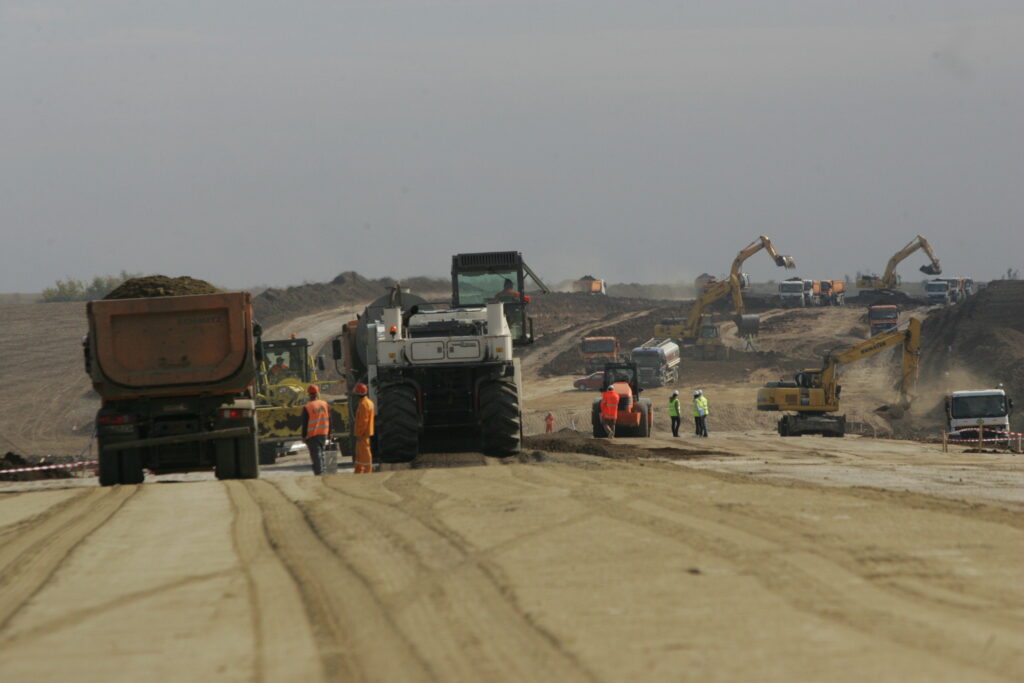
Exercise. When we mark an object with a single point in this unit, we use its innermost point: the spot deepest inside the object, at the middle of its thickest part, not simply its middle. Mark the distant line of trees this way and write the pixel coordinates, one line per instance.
(77, 290)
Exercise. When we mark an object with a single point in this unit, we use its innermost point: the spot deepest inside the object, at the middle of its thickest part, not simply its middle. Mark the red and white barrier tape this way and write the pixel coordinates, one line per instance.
(49, 467)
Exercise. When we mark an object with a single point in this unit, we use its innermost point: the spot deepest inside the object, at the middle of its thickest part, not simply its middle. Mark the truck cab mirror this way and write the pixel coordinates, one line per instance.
(336, 349)
(320, 364)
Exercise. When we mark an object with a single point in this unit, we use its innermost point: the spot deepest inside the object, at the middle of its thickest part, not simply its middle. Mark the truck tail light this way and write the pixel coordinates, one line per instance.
(235, 413)
(117, 419)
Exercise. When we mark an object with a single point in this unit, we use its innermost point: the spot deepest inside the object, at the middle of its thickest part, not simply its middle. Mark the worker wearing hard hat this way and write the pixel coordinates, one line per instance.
(363, 457)
(700, 412)
(674, 412)
(609, 410)
(316, 427)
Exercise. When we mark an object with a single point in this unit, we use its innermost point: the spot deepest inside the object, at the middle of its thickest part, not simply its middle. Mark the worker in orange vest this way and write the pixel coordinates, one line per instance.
(609, 410)
(549, 424)
(316, 427)
(363, 458)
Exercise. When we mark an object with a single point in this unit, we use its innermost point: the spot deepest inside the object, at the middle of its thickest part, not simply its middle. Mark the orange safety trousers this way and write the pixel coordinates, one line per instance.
(364, 456)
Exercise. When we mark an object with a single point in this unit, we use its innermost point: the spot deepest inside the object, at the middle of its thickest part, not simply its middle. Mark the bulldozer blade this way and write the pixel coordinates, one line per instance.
(930, 269)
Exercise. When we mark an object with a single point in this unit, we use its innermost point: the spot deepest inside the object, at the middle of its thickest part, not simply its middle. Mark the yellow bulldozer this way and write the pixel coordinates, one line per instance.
(285, 372)
(813, 398)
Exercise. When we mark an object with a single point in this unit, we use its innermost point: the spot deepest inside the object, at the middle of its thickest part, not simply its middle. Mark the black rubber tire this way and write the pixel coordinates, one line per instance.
(225, 459)
(110, 469)
(398, 425)
(268, 453)
(644, 429)
(595, 421)
(247, 458)
(500, 418)
(783, 427)
(131, 467)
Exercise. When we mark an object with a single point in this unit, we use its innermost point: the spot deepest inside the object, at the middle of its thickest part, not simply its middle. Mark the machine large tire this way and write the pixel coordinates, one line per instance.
(247, 463)
(595, 420)
(110, 469)
(644, 430)
(500, 418)
(268, 453)
(131, 467)
(225, 459)
(398, 425)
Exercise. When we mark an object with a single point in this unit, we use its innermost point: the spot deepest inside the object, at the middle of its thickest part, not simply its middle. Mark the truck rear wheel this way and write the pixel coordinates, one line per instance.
(131, 467)
(247, 462)
(225, 462)
(500, 418)
(398, 425)
(110, 469)
(268, 453)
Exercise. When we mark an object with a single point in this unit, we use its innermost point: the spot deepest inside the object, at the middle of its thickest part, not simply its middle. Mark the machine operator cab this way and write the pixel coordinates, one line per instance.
(492, 277)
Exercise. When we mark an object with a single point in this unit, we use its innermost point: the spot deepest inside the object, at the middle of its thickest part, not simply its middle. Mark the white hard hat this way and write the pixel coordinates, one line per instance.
(675, 393)
(696, 392)
(610, 388)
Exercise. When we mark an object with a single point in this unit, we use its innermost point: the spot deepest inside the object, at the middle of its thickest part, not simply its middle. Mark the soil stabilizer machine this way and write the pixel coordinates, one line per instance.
(285, 373)
(445, 372)
(814, 395)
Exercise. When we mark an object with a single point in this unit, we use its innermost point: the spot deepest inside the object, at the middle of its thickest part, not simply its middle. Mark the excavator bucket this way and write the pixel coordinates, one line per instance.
(785, 261)
(931, 269)
(747, 324)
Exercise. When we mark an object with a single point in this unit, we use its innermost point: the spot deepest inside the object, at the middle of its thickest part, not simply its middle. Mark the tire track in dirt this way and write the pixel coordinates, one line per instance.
(356, 639)
(29, 559)
(454, 604)
(804, 570)
(285, 646)
(566, 338)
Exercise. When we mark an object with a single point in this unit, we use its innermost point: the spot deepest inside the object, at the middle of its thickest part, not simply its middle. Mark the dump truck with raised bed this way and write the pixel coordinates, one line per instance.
(176, 375)
(636, 415)
(285, 373)
(441, 371)
(812, 399)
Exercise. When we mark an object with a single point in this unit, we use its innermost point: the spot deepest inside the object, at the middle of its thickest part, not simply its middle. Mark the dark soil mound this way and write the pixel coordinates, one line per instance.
(11, 461)
(161, 285)
(276, 305)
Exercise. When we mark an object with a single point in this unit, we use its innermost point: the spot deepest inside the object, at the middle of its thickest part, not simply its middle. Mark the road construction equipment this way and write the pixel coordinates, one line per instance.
(794, 293)
(883, 318)
(176, 375)
(814, 394)
(890, 280)
(589, 285)
(281, 395)
(636, 415)
(447, 373)
(969, 411)
(657, 361)
(597, 351)
(694, 331)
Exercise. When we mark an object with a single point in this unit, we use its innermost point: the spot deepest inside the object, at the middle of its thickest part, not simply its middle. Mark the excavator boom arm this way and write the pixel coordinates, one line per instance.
(911, 340)
(919, 242)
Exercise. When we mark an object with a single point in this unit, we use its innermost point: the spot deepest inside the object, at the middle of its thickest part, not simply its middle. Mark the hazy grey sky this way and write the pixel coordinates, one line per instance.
(263, 142)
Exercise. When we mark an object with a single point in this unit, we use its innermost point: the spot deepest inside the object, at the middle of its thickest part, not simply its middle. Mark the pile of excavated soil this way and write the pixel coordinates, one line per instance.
(161, 285)
(276, 305)
(11, 461)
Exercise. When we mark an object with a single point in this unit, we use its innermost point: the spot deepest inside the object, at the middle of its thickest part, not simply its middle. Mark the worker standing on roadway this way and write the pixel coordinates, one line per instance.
(609, 410)
(674, 412)
(700, 412)
(316, 427)
(363, 458)
(549, 424)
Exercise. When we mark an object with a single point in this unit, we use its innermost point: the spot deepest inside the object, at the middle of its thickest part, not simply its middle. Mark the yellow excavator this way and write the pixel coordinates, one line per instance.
(814, 395)
(890, 280)
(698, 329)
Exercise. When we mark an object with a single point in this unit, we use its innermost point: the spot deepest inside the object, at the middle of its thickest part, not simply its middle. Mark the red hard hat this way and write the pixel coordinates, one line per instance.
(360, 389)
(313, 389)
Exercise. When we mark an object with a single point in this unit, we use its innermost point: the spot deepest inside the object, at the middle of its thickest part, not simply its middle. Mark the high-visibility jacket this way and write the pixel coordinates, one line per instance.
(364, 418)
(674, 407)
(318, 419)
(700, 406)
(610, 404)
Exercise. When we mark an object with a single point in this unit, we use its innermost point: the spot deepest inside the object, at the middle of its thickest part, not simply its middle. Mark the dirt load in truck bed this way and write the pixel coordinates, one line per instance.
(161, 285)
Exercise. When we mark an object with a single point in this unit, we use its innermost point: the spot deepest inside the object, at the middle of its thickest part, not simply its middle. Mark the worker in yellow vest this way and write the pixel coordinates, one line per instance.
(700, 412)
